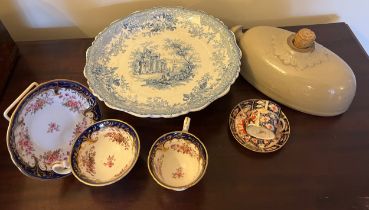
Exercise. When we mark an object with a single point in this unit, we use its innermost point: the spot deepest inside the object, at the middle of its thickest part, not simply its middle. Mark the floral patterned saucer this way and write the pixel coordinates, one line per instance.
(238, 129)
(46, 122)
(105, 152)
(178, 160)
(162, 62)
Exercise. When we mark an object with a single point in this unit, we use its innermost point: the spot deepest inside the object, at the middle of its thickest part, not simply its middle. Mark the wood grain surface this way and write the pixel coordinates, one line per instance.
(324, 165)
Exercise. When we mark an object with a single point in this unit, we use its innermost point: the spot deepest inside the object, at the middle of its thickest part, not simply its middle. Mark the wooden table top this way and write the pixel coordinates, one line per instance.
(324, 165)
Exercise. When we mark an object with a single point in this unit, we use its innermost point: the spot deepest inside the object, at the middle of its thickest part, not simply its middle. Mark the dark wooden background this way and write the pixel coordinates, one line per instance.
(8, 56)
(324, 165)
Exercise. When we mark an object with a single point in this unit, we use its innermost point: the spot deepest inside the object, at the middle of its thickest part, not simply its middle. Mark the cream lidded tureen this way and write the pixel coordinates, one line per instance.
(295, 70)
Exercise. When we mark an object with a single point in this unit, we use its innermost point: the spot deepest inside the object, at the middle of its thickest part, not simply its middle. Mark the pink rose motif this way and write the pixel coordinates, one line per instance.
(26, 145)
(178, 173)
(183, 148)
(73, 105)
(110, 161)
(51, 156)
(53, 127)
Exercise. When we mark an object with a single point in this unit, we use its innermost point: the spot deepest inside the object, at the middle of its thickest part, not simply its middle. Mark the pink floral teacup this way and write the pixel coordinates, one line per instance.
(262, 120)
(105, 152)
(178, 160)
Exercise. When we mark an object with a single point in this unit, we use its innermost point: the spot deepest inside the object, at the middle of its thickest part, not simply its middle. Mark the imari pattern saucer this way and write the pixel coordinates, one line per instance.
(238, 129)
(162, 62)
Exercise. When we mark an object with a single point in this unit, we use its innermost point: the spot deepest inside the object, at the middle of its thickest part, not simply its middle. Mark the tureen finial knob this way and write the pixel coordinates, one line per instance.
(304, 38)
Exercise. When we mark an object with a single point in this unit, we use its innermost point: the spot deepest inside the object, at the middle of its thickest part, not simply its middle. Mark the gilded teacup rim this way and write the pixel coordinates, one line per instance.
(133, 163)
(184, 187)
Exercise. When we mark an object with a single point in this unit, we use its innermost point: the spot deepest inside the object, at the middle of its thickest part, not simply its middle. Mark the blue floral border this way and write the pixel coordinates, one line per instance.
(102, 79)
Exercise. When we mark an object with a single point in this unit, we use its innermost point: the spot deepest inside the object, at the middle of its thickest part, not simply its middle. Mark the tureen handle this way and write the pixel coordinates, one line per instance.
(186, 124)
(16, 101)
(62, 168)
(237, 30)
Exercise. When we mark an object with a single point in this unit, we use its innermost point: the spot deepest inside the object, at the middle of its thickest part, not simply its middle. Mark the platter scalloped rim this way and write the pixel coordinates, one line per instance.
(194, 109)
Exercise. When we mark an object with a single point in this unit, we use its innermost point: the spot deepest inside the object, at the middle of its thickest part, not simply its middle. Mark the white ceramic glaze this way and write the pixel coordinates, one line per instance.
(45, 124)
(237, 125)
(162, 62)
(316, 82)
(177, 160)
(105, 153)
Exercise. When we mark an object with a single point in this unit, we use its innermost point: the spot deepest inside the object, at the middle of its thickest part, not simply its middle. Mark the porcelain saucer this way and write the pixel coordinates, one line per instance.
(45, 124)
(237, 126)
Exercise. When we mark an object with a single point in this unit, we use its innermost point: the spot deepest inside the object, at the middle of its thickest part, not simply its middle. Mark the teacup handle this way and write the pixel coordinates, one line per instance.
(186, 124)
(16, 101)
(62, 167)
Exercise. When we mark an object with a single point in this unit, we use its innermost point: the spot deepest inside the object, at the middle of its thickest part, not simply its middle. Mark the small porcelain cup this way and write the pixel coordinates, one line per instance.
(103, 154)
(262, 120)
(177, 160)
